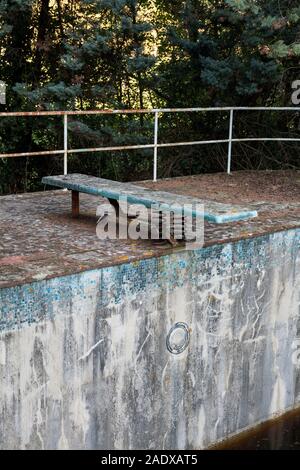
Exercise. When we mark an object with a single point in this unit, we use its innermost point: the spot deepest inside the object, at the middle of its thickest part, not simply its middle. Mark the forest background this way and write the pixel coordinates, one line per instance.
(128, 54)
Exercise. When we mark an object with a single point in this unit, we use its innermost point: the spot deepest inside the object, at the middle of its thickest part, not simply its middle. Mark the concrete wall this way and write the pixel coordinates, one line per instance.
(84, 363)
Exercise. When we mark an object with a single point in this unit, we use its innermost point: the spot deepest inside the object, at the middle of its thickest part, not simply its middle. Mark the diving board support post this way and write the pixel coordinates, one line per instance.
(65, 144)
(155, 145)
(75, 204)
(230, 142)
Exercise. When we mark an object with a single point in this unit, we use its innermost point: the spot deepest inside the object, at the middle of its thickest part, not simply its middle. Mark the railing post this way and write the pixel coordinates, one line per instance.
(155, 145)
(230, 142)
(65, 144)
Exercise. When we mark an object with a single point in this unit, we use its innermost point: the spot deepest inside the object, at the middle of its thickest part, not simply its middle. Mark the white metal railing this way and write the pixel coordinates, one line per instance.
(156, 145)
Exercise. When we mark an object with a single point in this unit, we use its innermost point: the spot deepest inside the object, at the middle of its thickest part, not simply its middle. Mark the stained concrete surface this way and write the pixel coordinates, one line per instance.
(84, 363)
(83, 326)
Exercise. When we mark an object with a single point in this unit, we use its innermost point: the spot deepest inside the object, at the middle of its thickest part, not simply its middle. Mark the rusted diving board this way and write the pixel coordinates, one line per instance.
(115, 191)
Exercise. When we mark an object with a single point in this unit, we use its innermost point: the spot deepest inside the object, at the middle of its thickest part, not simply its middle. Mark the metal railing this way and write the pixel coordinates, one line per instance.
(156, 145)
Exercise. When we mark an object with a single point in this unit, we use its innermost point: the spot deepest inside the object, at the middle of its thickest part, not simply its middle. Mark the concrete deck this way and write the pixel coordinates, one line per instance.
(40, 240)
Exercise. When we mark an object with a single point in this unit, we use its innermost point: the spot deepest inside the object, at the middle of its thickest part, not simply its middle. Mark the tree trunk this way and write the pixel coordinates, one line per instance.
(43, 25)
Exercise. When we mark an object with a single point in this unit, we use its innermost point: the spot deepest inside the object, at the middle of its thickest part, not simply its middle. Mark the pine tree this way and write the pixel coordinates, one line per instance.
(231, 52)
(84, 54)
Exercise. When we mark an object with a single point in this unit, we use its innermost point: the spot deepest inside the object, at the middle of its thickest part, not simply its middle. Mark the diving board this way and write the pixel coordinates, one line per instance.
(115, 191)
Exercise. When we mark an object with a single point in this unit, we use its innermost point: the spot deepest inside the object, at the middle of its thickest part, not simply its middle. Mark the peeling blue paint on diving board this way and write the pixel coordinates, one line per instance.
(214, 212)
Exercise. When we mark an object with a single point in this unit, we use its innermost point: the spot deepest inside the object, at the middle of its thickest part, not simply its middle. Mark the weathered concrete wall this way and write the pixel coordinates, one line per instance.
(84, 363)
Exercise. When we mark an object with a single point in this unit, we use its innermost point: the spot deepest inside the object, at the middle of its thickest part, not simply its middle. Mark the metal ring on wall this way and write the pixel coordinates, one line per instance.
(178, 338)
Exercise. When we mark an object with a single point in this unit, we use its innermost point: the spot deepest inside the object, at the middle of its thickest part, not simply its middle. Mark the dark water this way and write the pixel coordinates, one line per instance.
(280, 434)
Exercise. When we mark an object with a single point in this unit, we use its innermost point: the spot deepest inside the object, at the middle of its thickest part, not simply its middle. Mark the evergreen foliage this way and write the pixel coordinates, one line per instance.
(89, 54)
